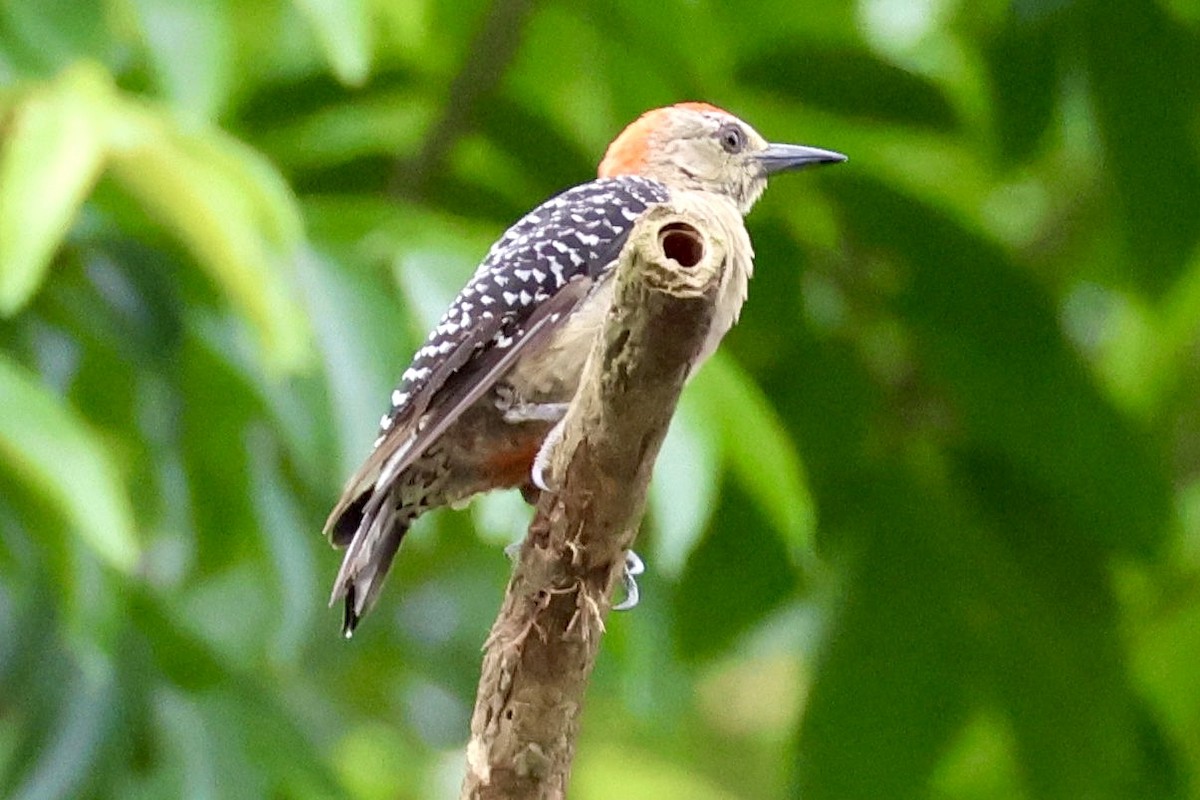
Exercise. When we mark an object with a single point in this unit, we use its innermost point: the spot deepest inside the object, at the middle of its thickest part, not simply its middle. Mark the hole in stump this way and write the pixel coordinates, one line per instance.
(682, 243)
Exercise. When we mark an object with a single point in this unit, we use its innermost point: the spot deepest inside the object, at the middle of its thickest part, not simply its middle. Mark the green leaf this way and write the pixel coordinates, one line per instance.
(944, 610)
(180, 657)
(373, 760)
(255, 722)
(188, 744)
(1145, 355)
(1051, 644)
(278, 520)
(53, 151)
(544, 153)
(43, 36)
(378, 123)
(230, 209)
(849, 82)
(343, 30)
(354, 324)
(266, 194)
(46, 446)
(739, 572)
(990, 338)
(641, 776)
(684, 490)
(890, 690)
(1144, 109)
(68, 758)
(190, 45)
(759, 449)
(1022, 65)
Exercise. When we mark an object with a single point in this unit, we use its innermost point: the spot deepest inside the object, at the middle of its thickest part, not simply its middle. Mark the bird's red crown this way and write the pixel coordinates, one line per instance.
(627, 153)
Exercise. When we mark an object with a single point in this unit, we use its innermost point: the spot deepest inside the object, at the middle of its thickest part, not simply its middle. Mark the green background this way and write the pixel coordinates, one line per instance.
(928, 526)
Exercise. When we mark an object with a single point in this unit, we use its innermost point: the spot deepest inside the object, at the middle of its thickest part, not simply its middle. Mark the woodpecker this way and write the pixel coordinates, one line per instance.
(496, 374)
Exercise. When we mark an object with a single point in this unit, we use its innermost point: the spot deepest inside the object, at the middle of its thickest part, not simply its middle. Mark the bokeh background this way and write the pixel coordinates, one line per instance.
(929, 526)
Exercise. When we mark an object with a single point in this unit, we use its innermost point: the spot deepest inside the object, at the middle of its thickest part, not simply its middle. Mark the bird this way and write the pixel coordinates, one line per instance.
(497, 373)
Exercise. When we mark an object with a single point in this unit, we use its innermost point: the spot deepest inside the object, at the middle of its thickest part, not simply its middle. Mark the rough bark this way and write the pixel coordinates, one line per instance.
(543, 645)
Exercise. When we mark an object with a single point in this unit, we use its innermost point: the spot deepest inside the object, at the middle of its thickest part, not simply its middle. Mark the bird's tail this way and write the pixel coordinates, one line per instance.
(365, 566)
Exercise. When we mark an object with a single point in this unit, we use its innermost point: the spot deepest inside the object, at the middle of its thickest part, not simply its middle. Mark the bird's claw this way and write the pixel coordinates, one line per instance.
(634, 566)
(540, 473)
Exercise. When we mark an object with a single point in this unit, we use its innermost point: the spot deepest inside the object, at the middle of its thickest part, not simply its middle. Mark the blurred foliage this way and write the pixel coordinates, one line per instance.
(929, 526)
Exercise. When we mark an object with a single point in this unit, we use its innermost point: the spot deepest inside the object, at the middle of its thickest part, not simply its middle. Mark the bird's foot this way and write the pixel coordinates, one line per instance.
(634, 566)
(534, 412)
(540, 474)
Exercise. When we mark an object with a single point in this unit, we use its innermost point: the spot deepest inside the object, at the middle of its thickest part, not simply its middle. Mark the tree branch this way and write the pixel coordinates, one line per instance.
(492, 49)
(543, 645)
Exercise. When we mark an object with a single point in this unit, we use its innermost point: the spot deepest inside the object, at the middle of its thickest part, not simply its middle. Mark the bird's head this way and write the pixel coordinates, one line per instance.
(699, 146)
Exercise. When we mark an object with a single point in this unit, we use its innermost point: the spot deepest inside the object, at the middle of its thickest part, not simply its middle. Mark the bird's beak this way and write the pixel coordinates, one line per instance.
(787, 157)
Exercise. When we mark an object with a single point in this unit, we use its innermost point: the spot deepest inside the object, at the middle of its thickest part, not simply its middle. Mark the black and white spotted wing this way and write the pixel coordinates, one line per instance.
(566, 236)
(571, 236)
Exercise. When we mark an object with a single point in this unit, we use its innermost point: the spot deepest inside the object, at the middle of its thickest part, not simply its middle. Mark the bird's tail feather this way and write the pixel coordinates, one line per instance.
(366, 564)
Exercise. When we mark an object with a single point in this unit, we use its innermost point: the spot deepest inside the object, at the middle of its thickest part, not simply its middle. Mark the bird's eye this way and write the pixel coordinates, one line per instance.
(732, 138)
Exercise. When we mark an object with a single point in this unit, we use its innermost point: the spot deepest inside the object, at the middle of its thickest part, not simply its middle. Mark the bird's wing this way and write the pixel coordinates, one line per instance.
(405, 441)
(530, 281)
(373, 541)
